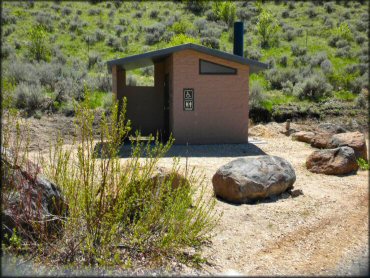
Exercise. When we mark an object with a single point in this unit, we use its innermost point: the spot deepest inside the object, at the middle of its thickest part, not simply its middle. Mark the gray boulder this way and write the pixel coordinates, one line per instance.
(355, 140)
(247, 179)
(331, 128)
(337, 161)
(28, 197)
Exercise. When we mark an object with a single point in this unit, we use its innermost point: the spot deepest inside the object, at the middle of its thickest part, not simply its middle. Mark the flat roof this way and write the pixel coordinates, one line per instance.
(149, 58)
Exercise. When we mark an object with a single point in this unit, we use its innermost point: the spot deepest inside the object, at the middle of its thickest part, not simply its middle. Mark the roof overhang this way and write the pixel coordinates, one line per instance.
(149, 58)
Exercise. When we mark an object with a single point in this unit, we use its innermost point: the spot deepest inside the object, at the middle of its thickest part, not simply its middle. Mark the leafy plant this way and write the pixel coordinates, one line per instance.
(181, 26)
(267, 28)
(38, 48)
(225, 11)
(363, 164)
(314, 88)
(344, 32)
(114, 204)
(181, 39)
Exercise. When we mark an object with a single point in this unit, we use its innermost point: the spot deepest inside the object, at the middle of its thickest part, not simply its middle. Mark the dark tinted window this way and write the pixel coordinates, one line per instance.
(206, 67)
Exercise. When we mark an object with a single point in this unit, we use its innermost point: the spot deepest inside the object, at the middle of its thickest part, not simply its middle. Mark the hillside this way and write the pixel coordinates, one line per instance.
(53, 52)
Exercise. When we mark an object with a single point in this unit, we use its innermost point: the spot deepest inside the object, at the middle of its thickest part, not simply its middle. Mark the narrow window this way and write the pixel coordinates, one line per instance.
(206, 67)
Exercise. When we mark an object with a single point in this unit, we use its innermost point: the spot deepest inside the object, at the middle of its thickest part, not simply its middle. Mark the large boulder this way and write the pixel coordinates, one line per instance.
(28, 197)
(330, 128)
(321, 140)
(355, 140)
(252, 178)
(303, 136)
(338, 161)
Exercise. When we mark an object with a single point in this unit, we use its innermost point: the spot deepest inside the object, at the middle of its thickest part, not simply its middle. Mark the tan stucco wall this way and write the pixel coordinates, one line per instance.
(221, 102)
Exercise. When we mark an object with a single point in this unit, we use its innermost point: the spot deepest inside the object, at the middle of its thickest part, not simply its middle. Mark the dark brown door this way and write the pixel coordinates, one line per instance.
(166, 107)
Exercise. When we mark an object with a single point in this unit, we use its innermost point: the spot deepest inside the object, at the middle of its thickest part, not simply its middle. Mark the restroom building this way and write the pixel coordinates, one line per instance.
(200, 95)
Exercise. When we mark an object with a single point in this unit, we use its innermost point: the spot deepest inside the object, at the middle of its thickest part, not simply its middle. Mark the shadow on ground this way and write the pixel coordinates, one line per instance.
(271, 199)
(216, 150)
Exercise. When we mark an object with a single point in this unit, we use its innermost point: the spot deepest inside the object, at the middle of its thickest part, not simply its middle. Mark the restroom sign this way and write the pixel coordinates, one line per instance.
(188, 99)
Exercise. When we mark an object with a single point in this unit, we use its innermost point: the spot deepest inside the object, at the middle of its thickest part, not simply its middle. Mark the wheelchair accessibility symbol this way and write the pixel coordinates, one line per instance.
(188, 99)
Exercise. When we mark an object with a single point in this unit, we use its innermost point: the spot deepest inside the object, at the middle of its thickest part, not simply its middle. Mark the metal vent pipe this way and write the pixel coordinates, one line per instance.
(238, 38)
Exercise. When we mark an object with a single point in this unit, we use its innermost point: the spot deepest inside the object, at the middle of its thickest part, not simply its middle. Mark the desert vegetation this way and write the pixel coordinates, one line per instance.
(51, 50)
(110, 213)
(117, 212)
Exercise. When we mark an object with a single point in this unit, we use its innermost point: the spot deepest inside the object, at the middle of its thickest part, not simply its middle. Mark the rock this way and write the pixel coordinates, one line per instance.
(337, 161)
(303, 136)
(296, 193)
(355, 140)
(321, 140)
(251, 178)
(28, 197)
(331, 128)
(163, 174)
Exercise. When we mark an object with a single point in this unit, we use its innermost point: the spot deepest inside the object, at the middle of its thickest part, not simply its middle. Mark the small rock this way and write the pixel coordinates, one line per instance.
(247, 179)
(162, 175)
(296, 193)
(337, 161)
(303, 136)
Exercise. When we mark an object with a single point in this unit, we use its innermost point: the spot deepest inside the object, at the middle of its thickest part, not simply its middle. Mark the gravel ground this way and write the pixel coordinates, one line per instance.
(323, 232)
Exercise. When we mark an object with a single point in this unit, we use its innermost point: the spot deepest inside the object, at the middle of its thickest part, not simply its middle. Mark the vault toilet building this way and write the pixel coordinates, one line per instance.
(200, 95)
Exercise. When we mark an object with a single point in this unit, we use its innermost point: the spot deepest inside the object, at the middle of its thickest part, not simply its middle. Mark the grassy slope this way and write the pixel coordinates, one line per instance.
(72, 43)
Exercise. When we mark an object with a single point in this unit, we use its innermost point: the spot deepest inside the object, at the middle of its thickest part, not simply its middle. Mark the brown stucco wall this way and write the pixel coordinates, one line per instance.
(221, 101)
(144, 104)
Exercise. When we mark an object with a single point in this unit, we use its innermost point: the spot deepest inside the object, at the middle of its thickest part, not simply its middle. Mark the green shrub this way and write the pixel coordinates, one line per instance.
(181, 27)
(196, 6)
(29, 97)
(283, 61)
(7, 51)
(344, 52)
(38, 48)
(313, 88)
(285, 14)
(289, 35)
(181, 39)
(360, 39)
(363, 164)
(267, 28)
(329, 7)
(93, 58)
(276, 77)
(362, 100)
(358, 83)
(297, 50)
(318, 58)
(311, 12)
(345, 95)
(256, 96)
(225, 11)
(253, 54)
(113, 205)
(341, 43)
(326, 66)
(154, 14)
(210, 42)
(287, 88)
(344, 32)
